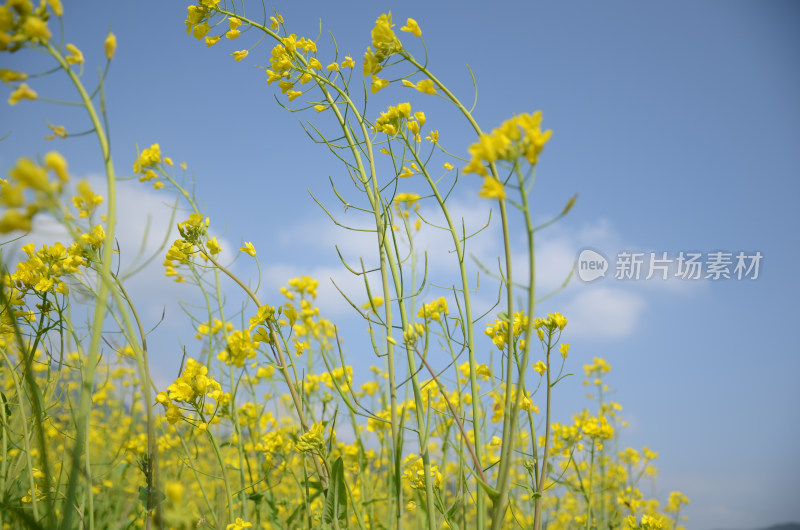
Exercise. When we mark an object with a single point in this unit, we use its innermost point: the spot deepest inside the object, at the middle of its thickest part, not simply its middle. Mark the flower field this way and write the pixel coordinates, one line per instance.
(443, 420)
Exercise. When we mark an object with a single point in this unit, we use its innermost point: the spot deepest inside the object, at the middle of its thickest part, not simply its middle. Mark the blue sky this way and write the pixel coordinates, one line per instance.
(676, 123)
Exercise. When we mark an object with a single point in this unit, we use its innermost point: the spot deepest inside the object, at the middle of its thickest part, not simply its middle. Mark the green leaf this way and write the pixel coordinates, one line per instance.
(256, 497)
(503, 316)
(336, 500)
(156, 497)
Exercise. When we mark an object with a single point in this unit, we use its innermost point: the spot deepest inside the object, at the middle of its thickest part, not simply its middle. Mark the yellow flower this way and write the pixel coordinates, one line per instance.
(348, 62)
(405, 173)
(558, 319)
(239, 55)
(22, 92)
(372, 63)
(540, 367)
(320, 108)
(263, 314)
(564, 349)
(55, 5)
(36, 28)
(110, 45)
(389, 121)
(240, 524)
(148, 158)
(492, 189)
(406, 199)
(7, 75)
(28, 173)
(56, 162)
(426, 87)
(75, 55)
(314, 63)
(332, 67)
(412, 27)
(14, 220)
(274, 22)
(311, 440)
(213, 246)
(383, 38)
(434, 310)
(293, 94)
(248, 248)
(378, 84)
(210, 41)
(58, 130)
(520, 136)
(200, 30)
(173, 413)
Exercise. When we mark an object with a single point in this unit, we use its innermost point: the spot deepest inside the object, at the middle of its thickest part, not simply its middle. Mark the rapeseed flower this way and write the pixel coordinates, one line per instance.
(23, 91)
(110, 45)
(412, 27)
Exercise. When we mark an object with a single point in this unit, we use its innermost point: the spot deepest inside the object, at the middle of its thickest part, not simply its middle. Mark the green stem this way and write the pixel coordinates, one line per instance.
(281, 359)
(543, 469)
(26, 437)
(222, 466)
(468, 324)
(102, 298)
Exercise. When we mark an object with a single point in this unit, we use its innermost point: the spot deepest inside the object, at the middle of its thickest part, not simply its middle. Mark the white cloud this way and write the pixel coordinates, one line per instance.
(608, 308)
(604, 312)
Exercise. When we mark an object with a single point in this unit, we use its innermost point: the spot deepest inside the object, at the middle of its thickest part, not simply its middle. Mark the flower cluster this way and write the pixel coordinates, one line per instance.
(482, 372)
(20, 23)
(148, 163)
(288, 69)
(647, 522)
(498, 330)
(194, 240)
(239, 347)
(193, 383)
(391, 120)
(403, 202)
(239, 524)
(86, 201)
(548, 326)
(516, 137)
(434, 310)
(312, 440)
(415, 473)
(25, 176)
(520, 136)
(306, 323)
(303, 285)
(44, 271)
(385, 43)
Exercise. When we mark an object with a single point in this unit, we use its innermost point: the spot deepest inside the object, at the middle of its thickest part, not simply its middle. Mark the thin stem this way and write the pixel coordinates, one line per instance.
(87, 385)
